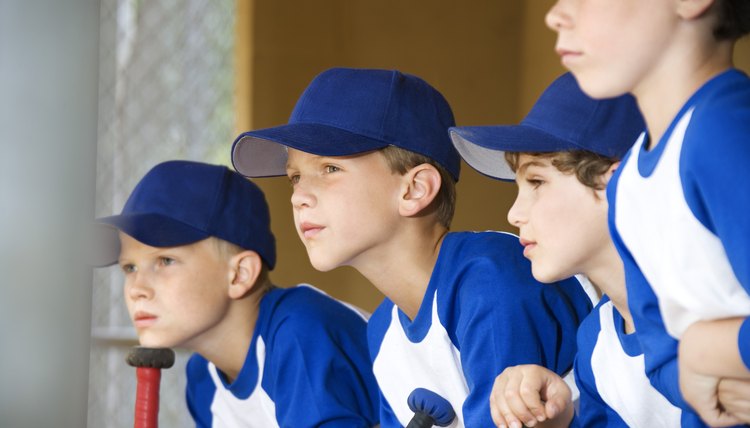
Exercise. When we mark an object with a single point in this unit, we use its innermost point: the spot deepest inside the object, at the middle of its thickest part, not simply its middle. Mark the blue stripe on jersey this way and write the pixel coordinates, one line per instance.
(743, 342)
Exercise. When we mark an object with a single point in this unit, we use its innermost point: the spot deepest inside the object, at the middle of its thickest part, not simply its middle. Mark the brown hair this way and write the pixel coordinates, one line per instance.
(587, 166)
(444, 204)
(733, 18)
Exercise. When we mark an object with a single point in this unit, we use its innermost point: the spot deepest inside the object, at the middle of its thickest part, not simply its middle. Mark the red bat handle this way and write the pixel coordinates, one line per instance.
(147, 397)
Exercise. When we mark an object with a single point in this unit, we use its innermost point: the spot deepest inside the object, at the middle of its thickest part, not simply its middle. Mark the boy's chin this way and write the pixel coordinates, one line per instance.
(154, 342)
(323, 266)
(546, 276)
(596, 87)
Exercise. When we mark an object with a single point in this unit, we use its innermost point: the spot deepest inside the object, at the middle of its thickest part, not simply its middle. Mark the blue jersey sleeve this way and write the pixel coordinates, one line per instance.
(506, 318)
(305, 358)
(713, 171)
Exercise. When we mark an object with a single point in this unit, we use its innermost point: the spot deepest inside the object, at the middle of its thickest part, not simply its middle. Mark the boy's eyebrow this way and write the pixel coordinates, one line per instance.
(524, 166)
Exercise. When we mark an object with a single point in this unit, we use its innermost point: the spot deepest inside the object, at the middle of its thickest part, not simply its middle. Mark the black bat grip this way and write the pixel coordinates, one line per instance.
(421, 420)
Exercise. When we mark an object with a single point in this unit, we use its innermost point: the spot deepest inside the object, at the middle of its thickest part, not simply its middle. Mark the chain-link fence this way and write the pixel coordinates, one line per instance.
(165, 92)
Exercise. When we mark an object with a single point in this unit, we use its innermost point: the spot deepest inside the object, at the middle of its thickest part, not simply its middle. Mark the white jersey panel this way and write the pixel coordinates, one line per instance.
(434, 363)
(622, 383)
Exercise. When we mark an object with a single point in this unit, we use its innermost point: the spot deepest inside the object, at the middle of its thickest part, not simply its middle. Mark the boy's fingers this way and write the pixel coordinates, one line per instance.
(734, 398)
(516, 403)
(554, 407)
(505, 385)
(501, 413)
(531, 393)
(497, 417)
(495, 401)
(716, 418)
(557, 397)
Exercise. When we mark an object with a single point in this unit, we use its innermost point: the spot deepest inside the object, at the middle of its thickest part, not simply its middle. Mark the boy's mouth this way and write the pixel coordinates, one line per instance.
(566, 55)
(527, 246)
(143, 319)
(309, 230)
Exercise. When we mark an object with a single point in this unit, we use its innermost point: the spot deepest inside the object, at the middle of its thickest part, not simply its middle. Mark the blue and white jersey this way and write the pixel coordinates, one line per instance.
(678, 216)
(611, 378)
(307, 366)
(482, 312)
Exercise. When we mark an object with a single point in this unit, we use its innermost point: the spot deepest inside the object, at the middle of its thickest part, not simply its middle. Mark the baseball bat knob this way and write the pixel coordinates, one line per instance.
(429, 409)
(157, 358)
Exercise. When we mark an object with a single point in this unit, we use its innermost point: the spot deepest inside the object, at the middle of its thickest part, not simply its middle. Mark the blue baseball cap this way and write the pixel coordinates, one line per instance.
(562, 119)
(347, 111)
(182, 202)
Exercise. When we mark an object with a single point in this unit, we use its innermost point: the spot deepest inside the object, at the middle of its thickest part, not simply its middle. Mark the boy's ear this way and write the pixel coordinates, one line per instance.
(692, 9)
(245, 267)
(604, 179)
(611, 171)
(420, 186)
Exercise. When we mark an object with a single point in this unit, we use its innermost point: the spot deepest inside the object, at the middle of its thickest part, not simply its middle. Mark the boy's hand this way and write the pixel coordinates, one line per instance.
(531, 395)
(712, 376)
(701, 392)
(734, 397)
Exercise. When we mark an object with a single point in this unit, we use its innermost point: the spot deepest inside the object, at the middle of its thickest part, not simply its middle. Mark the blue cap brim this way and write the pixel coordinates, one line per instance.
(263, 153)
(484, 147)
(154, 230)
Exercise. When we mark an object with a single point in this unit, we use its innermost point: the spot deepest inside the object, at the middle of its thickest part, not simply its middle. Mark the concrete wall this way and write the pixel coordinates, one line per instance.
(48, 122)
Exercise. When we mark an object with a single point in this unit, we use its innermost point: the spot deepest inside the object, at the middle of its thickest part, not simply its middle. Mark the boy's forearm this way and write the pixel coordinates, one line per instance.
(712, 348)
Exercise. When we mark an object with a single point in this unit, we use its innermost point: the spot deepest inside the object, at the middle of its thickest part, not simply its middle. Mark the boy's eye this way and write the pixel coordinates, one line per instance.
(166, 261)
(535, 182)
(331, 168)
(128, 268)
(294, 179)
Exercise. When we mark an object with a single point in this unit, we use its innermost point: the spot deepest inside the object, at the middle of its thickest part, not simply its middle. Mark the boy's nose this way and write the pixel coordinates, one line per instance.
(558, 16)
(139, 288)
(302, 197)
(516, 215)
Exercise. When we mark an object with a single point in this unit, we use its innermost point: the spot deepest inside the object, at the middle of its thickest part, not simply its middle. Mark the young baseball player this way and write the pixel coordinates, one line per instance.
(196, 247)
(676, 200)
(563, 153)
(373, 173)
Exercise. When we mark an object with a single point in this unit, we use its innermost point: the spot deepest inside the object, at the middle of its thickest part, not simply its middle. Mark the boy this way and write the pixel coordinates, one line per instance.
(675, 202)
(196, 247)
(373, 175)
(563, 154)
